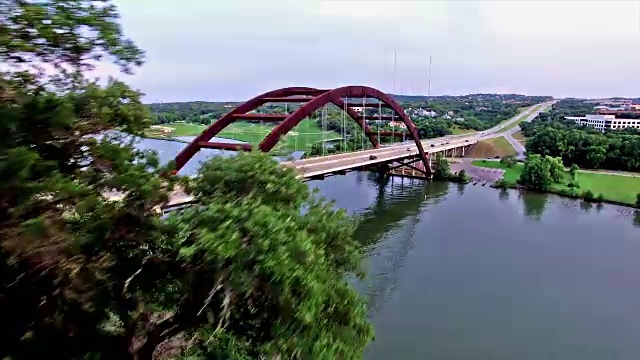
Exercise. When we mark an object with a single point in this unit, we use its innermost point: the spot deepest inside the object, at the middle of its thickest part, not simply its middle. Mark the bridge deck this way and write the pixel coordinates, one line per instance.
(307, 168)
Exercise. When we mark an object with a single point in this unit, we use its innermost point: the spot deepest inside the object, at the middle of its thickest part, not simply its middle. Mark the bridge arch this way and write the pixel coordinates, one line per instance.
(312, 99)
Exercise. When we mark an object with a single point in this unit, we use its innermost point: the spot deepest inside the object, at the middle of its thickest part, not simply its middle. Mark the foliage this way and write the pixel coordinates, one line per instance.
(573, 170)
(257, 269)
(588, 195)
(459, 177)
(276, 270)
(585, 147)
(508, 160)
(195, 112)
(470, 112)
(540, 172)
(441, 169)
(638, 199)
(353, 144)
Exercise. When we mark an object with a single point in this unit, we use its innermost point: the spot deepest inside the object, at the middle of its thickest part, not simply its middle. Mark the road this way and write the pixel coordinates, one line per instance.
(508, 134)
(332, 163)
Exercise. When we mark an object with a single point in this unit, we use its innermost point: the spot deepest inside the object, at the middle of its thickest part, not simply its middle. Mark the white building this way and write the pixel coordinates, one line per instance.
(397, 124)
(604, 122)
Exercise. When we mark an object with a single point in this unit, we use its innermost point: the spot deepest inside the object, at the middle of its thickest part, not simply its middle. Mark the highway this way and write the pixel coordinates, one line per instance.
(332, 163)
(328, 164)
(508, 134)
(310, 167)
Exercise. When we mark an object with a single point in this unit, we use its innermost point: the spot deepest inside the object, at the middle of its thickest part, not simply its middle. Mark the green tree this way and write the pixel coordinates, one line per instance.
(441, 169)
(540, 173)
(638, 200)
(508, 161)
(556, 169)
(258, 268)
(574, 172)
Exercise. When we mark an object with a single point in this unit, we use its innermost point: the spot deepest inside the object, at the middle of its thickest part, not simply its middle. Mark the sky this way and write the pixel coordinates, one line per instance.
(232, 50)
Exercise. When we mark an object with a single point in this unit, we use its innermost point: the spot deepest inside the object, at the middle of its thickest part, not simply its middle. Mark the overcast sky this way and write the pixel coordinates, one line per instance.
(235, 49)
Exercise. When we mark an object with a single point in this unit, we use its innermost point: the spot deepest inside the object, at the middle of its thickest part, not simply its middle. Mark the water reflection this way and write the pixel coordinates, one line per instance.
(636, 219)
(534, 204)
(586, 206)
(503, 194)
(460, 187)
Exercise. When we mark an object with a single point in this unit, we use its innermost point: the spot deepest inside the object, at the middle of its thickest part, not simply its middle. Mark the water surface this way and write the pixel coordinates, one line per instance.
(463, 272)
(469, 272)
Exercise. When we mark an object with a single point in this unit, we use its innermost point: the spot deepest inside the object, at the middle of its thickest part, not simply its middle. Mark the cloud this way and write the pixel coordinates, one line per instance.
(231, 50)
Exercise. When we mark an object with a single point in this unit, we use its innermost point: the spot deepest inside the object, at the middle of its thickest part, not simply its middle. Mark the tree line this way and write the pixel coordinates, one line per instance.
(476, 112)
(552, 135)
(258, 269)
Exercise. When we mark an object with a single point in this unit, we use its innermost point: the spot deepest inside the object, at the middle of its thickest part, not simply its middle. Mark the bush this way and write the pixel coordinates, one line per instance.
(588, 195)
(508, 161)
(503, 184)
(573, 185)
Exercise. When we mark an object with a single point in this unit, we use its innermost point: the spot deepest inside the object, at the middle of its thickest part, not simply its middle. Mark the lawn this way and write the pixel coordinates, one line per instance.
(456, 130)
(300, 138)
(519, 136)
(612, 187)
(503, 145)
(185, 129)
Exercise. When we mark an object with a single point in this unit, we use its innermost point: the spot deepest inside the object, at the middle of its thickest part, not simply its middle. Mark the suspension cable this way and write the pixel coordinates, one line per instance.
(344, 125)
(379, 118)
(393, 127)
(324, 128)
(364, 114)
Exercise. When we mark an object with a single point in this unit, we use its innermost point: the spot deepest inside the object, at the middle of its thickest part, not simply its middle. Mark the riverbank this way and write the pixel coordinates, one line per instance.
(619, 189)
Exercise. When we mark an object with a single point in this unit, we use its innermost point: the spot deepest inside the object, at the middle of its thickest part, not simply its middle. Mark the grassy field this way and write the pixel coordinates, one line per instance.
(616, 188)
(491, 148)
(612, 187)
(503, 145)
(519, 136)
(457, 130)
(185, 129)
(300, 138)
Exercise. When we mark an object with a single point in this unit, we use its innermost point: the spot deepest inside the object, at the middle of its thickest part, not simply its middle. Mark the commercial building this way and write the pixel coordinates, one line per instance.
(604, 122)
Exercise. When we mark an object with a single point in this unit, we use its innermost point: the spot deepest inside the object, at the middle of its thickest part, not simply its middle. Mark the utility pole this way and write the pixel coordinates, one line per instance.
(429, 81)
(395, 59)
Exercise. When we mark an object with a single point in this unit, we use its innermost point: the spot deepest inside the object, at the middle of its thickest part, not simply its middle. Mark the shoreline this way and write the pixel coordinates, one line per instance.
(567, 195)
(500, 184)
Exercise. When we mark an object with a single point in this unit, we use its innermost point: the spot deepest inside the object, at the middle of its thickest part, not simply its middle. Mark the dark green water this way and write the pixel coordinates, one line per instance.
(462, 272)
(469, 272)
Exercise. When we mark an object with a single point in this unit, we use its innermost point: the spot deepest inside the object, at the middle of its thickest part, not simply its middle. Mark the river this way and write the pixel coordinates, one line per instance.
(463, 272)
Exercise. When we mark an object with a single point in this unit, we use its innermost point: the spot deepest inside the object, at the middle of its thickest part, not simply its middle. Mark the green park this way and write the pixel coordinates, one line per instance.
(301, 138)
(617, 188)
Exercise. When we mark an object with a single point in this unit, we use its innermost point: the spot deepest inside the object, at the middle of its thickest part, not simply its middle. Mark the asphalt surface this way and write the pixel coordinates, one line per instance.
(331, 163)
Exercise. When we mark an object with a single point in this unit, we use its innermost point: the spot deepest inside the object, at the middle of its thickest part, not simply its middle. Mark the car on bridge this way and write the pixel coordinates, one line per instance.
(372, 157)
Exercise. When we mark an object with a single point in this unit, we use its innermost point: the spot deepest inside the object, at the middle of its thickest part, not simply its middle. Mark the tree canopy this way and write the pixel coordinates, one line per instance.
(540, 172)
(258, 268)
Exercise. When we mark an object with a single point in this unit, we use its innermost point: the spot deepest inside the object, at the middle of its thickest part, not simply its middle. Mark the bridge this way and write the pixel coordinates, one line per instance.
(415, 154)
(350, 99)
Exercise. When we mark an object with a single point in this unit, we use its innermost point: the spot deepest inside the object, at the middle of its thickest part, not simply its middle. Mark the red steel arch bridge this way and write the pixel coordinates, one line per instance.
(350, 99)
